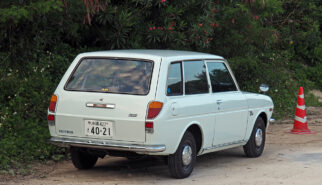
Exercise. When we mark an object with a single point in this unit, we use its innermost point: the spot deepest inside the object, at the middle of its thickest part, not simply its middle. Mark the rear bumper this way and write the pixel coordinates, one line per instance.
(63, 142)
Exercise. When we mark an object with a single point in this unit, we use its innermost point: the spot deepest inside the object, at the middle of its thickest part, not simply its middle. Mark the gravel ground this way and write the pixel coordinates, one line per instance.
(287, 159)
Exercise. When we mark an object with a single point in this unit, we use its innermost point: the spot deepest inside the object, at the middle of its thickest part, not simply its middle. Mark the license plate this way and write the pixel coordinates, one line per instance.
(99, 128)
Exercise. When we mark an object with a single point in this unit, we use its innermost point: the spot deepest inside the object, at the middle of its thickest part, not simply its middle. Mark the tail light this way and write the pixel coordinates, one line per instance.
(51, 120)
(149, 127)
(154, 109)
(53, 102)
(52, 108)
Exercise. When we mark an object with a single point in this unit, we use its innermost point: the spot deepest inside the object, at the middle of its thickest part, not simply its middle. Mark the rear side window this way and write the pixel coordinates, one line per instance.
(111, 76)
(195, 77)
(220, 78)
(175, 85)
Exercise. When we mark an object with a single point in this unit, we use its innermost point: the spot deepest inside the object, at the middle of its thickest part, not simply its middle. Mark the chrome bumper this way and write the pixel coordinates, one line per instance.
(272, 120)
(63, 142)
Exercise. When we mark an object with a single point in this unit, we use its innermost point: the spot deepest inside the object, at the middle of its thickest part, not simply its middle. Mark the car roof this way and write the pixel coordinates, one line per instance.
(152, 53)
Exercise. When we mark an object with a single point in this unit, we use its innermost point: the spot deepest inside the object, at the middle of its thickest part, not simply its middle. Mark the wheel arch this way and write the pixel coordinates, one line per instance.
(260, 114)
(263, 115)
(252, 148)
(196, 130)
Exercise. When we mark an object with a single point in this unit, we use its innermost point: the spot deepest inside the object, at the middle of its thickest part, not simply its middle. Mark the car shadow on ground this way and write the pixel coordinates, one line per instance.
(149, 166)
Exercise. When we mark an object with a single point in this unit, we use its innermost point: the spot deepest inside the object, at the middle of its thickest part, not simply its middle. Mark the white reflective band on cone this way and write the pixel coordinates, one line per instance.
(301, 107)
(302, 120)
(301, 96)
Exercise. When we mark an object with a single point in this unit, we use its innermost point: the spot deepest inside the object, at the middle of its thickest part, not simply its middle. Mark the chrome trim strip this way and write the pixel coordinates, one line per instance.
(106, 145)
(110, 106)
(225, 144)
(89, 105)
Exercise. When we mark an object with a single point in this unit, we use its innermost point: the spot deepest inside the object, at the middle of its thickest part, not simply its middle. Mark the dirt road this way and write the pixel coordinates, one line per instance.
(287, 159)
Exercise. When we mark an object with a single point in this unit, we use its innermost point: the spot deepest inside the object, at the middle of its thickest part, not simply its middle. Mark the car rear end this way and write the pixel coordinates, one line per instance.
(103, 101)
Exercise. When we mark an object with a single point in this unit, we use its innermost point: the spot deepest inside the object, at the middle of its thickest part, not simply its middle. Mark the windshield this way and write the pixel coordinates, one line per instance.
(111, 76)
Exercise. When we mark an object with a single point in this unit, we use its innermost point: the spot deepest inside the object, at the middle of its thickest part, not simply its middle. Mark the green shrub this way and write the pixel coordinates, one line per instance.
(278, 43)
(25, 97)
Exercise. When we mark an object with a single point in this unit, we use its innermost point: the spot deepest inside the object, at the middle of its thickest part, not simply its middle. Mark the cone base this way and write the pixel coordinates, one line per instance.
(297, 131)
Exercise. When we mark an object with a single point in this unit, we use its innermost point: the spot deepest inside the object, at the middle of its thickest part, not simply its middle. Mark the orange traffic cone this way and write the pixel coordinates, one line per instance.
(300, 121)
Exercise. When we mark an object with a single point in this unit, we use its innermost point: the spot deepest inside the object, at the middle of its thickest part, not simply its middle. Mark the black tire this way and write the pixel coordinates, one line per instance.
(253, 149)
(82, 159)
(176, 164)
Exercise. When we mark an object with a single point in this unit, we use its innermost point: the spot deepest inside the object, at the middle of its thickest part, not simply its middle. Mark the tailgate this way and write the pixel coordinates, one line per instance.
(106, 98)
(125, 115)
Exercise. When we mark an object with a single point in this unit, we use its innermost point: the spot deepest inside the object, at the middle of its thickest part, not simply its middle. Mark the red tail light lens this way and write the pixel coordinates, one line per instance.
(51, 120)
(51, 117)
(53, 102)
(154, 109)
(148, 124)
(149, 127)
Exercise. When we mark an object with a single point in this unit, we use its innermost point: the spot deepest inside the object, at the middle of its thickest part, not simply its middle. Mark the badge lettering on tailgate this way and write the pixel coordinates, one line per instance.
(66, 131)
(133, 115)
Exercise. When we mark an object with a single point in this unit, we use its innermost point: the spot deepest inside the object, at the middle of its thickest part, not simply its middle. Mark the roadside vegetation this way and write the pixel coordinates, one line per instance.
(277, 42)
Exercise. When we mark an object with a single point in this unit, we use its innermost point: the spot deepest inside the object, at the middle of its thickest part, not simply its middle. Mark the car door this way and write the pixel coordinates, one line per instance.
(231, 110)
(188, 95)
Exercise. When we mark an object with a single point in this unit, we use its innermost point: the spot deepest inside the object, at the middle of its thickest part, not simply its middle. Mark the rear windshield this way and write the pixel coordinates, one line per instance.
(111, 76)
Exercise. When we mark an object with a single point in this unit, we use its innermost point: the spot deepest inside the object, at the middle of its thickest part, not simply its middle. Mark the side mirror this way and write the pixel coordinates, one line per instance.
(263, 88)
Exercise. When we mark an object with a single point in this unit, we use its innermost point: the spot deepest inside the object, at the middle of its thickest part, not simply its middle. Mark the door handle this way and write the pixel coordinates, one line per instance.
(219, 102)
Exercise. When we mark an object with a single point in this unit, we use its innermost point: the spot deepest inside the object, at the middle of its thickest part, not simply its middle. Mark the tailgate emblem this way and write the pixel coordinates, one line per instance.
(101, 105)
(133, 115)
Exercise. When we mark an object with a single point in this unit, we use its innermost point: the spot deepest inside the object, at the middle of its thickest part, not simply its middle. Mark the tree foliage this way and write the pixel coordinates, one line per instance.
(276, 42)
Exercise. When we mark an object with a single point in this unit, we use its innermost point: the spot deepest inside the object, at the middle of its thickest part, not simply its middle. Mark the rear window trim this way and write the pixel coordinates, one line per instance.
(110, 58)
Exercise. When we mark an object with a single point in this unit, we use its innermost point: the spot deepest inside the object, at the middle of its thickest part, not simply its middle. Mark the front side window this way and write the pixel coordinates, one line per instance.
(111, 76)
(220, 78)
(195, 77)
(175, 85)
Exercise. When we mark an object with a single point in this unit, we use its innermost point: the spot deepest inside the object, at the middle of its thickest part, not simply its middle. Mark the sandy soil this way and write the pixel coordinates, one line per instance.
(318, 94)
(287, 159)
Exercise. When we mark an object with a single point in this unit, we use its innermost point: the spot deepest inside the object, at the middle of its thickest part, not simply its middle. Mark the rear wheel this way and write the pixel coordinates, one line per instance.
(181, 163)
(256, 142)
(82, 159)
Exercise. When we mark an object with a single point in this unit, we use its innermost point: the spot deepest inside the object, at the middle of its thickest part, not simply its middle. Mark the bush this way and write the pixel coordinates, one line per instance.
(277, 42)
(25, 97)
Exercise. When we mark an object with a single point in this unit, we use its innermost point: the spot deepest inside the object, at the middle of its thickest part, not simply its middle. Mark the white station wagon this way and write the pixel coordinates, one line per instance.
(175, 104)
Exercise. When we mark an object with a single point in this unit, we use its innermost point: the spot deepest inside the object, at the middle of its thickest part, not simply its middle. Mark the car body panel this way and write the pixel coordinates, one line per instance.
(231, 117)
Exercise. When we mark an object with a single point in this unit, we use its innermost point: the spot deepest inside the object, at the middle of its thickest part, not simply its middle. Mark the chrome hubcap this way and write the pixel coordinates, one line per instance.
(259, 137)
(186, 155)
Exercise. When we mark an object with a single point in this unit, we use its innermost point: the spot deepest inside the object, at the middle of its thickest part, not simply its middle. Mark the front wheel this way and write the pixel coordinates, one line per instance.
(181, 163)
(256, 142)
